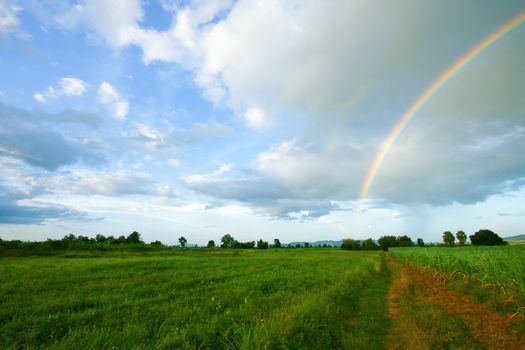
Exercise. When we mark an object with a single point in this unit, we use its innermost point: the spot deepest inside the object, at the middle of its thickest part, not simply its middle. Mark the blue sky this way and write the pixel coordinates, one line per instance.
(257, 118)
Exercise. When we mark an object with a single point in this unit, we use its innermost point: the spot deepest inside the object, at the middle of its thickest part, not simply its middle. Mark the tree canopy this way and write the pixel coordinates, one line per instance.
(486, 237)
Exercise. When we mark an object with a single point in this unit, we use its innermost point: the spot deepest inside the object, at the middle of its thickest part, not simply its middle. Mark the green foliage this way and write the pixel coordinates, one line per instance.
(369, 244)
(500, 268)
(420, 242)
(404, 241)
(276, 243)
(134, 238)
(101, 238)
(195, 299)
(227, 241)
(350, 244)
(261, 244)
(244, 245)
(211, 244)
(386, 242)
(462, 237)
(486, 237)
(448, 238)
(183, 241)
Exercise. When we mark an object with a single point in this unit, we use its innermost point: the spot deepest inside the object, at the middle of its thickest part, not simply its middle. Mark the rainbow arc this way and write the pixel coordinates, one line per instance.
(427, 94)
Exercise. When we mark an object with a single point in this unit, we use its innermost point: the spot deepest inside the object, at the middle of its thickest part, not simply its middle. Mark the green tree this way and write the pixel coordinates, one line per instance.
(134, 237)
(420, 242)
(211, 244)
(69, 237)
(448, 238)
(183, 241)
(486, 237)
(350, 244)
(386, 242)
(101, 238)
(405, 241)
(121, 239)
(227, 241)
(276, 243)
(262, 244)
(157, 244)
(369, 244)
(462, 237)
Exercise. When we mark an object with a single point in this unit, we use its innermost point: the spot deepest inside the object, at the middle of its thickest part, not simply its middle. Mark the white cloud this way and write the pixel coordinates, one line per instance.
(323, 61)
(212, 177)
(111, 98)
(8, 19)
(117, 183)
(67, 86)
(255, 118)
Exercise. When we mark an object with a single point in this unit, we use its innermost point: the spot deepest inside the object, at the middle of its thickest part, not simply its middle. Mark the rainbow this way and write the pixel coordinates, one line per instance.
(427, 94)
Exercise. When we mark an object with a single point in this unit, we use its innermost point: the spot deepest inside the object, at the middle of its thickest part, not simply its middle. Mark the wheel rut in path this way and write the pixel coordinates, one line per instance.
(494, 330)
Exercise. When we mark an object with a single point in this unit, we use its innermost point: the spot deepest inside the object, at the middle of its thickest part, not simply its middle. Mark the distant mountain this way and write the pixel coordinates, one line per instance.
(515, 238)
(316, 243)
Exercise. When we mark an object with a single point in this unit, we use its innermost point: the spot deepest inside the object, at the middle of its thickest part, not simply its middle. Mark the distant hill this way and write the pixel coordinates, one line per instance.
(316, 243)
(515, 238)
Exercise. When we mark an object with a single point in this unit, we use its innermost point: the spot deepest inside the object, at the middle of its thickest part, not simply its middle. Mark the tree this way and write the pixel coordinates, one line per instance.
(350, 244)
(404, 241)
(420, 242)
(306, 245)
(262, 244)
(182, 241)
(387, 241)
(486, 237)
(211, 244)
(101, 238)
(462, 237)
(448, 238)
(134, 237)
(369, 244)
(69, 237)
(276, 243)
(227, 241)
(120, 239)
(157, 244)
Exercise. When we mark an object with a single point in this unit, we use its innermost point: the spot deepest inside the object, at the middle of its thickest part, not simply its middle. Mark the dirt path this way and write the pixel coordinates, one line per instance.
(411, 287)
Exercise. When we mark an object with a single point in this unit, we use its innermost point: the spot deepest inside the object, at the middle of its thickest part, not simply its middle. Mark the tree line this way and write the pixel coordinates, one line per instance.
(481, 237)
(70, 241)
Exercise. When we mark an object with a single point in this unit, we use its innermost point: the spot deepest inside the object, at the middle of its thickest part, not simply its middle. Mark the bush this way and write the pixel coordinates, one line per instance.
(486, 237)
(388, 241)
(350, 244)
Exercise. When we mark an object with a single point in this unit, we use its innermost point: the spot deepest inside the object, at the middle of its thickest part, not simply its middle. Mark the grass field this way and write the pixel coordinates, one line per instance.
(500, 270)
(202, 299)
(313, 298)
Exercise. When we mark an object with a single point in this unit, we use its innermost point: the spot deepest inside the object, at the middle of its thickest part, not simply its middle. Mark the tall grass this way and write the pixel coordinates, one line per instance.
(498, 267)
(195, 299)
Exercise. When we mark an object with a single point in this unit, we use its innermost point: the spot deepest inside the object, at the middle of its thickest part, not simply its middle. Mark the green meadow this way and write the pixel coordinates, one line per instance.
(302, 298)
(195, 299)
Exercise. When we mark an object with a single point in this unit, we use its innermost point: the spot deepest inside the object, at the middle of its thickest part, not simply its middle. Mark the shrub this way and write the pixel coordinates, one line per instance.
(486, 237)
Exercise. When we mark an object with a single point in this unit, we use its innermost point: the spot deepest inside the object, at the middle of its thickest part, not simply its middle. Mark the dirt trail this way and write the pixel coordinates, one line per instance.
(492, 329)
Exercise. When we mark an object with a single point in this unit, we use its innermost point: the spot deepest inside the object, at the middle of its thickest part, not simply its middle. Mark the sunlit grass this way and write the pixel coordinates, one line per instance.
(249, 299)
(498, 268)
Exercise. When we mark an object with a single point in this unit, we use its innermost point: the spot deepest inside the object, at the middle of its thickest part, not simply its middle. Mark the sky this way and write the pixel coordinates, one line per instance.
(258, 118)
